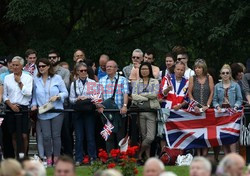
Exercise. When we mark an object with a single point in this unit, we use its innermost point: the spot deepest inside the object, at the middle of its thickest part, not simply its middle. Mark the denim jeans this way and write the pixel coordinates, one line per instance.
(84, 127)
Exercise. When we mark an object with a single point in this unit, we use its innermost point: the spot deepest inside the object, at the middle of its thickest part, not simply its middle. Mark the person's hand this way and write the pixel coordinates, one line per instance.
(197, 110)
(34, 108)
(204, 108)
(17, 78)
(136, 64)
(15, 108)
(54, 98)
(81, 98)
(100, 110)
(123, 110)
(219, 109)
(177, 107)
(169, 88)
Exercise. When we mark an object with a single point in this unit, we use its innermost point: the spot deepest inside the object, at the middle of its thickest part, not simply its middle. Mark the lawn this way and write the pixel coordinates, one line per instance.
(84, 171)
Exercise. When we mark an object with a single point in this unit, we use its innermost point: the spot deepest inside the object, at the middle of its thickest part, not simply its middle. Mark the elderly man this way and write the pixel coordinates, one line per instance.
(200, 166)
(232, 164)
(153, 167)
(149, 57)
(107, 84)
(79, 55)
(17, 95)
(65, 167)
(137, 58)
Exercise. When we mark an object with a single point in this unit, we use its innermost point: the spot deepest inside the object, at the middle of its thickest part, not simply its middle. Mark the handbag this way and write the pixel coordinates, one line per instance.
(83, 105)
(114, 117)
(142, 105)
(169, 156)
(46, 107)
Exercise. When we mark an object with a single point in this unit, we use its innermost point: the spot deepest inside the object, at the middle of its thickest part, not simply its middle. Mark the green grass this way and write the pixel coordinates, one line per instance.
(84, 170)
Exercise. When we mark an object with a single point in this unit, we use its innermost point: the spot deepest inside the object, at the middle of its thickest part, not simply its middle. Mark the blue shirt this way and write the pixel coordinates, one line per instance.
(101, 73)
(43, 92)
(107, 88)
(234, 95)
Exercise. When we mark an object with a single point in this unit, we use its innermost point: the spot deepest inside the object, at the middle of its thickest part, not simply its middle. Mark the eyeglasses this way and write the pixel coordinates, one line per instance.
(85, 70)
(42, 66)
(180, 58)
(52, 57)
(225, 73)
(135, 57)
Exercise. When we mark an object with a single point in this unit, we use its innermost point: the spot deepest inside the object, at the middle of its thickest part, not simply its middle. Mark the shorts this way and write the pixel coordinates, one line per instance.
(18, 122)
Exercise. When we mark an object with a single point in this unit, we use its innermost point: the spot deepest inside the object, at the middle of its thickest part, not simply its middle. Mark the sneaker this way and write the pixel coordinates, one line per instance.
(77, 164)
(86, 159)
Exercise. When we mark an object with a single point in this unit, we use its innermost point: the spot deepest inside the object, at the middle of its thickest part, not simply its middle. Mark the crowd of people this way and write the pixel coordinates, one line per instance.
(30, 90)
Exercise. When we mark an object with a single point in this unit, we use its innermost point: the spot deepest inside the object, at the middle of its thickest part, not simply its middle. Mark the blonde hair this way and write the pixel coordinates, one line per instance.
(11, 167)
(226, 66)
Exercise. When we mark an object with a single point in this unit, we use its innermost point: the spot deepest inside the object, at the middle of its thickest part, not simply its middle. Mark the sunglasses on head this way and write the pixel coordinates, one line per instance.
(82, 70)
(225, 73)
(42, 66)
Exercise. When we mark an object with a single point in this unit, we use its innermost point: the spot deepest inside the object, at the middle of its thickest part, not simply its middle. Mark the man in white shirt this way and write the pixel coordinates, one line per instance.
(17, 96)
(183, 56)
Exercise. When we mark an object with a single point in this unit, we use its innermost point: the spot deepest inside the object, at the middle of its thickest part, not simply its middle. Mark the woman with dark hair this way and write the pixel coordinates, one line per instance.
(49, 87)
(144, 94)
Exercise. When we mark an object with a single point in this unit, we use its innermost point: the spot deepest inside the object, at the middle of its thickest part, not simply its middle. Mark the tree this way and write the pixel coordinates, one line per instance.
(215, 30)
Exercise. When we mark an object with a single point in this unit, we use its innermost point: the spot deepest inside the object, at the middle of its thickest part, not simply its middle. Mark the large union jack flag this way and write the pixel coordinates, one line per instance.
(187, 130)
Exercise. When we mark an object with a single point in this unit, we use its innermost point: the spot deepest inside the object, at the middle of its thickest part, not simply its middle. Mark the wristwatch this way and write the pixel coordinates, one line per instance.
(125, 105)
(208, 106)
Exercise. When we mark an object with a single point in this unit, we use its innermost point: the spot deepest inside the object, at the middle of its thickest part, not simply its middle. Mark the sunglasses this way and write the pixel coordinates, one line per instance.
(82, 71)
(180, 58)
(42, 66)
(53, 57)
(225, 73)
(135, 57)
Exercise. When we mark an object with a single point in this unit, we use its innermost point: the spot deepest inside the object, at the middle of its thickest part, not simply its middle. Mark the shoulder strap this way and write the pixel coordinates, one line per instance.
(75, 88)
(116, 82)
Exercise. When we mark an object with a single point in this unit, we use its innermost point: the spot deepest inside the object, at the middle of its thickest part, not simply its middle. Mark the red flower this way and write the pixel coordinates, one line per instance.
(133, 160)
(111, 165)
(103, 155)
(135, 171)
(115, 152)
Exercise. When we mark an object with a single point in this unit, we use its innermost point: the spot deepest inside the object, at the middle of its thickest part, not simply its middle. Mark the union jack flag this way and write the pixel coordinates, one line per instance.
(107, 130)
(191, 105)
(187, 130)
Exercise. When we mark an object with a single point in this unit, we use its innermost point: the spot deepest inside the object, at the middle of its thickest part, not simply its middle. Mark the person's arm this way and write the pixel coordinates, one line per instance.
(238, 102)
(154, 85)
(245, 87)
(1, 93)
(190, 88)
(26, 87)
(72, 95)
(125, 92)
(211, 87)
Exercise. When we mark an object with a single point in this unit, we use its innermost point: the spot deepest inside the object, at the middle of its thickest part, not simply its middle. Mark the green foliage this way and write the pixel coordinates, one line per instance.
(215, 30)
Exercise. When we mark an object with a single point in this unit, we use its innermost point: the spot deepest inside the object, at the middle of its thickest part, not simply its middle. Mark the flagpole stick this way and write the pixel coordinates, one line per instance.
(105, 116)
